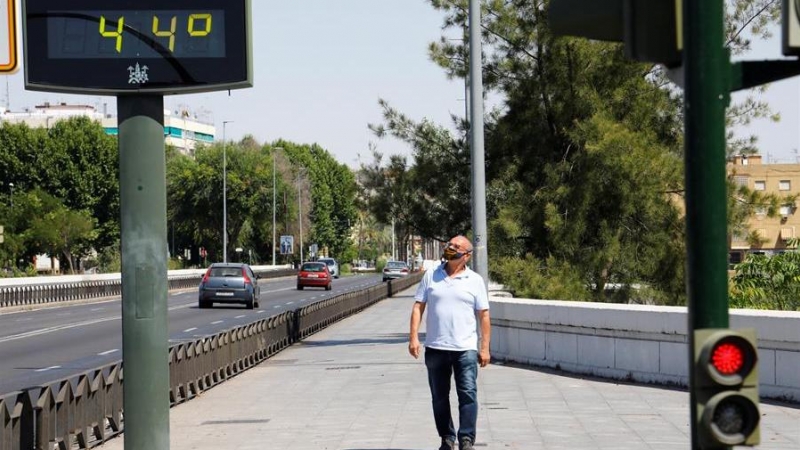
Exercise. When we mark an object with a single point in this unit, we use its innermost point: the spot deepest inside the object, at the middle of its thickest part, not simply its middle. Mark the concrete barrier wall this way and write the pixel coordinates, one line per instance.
(633, 342)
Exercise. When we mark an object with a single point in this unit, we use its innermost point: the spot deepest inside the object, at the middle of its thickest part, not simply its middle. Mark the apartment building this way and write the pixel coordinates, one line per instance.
(778, 179)
(182, 130)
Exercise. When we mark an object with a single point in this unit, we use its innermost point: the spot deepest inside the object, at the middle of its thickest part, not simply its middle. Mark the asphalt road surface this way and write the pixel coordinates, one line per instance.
(43, 345)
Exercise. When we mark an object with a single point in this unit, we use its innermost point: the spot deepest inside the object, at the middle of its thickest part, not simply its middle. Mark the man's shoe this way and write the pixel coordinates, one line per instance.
(466, 444)
(448, 444)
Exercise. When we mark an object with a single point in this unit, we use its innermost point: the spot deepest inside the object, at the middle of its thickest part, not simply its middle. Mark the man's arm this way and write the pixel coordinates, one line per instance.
(413, 334)
(486, 337)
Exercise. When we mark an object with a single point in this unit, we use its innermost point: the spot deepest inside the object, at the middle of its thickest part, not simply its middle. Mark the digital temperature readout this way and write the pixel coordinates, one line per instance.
(136, 34)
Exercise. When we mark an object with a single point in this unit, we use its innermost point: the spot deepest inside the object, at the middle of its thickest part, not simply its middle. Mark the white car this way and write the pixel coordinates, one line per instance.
(333, 266)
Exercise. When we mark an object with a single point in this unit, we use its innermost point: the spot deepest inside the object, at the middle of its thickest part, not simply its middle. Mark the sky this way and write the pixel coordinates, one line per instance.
(321, 66)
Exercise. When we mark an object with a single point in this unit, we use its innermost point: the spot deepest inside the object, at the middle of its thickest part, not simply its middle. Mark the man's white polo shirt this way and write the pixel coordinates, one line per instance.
(451, 304)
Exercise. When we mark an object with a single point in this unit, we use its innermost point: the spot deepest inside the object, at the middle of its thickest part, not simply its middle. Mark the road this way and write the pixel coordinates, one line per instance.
(47, 344)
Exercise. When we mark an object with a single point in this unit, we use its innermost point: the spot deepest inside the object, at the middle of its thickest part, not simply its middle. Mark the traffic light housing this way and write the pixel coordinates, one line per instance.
(790, 27)
(650, 29)
(726, 387)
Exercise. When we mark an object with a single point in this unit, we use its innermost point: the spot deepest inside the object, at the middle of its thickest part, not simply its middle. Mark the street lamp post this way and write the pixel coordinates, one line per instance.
(224, 193)
(274, 150)
(300, 211)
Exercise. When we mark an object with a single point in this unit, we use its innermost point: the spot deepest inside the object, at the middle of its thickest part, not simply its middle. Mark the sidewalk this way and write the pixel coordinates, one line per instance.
(353, 386)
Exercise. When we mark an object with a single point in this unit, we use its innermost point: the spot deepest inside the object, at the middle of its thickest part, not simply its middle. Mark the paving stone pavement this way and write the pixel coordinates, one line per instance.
(353, 386)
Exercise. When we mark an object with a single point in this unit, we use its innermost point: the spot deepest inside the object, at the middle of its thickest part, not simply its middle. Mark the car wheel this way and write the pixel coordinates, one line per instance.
(203, 305)
(328, 287)
(299, 288)
(250, 304)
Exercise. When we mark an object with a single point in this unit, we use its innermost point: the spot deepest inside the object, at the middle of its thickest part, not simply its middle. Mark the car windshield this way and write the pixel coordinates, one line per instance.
(219, 272)
(329, 262)
(316, 267)
(395, 265)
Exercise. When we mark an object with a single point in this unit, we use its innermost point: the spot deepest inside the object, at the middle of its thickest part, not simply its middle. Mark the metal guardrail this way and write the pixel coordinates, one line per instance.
(38, 294)
(85, 410)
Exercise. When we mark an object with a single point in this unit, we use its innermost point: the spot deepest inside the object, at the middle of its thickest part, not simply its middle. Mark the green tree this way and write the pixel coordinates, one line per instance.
(74, 161)
(195, 197)
(767, 282)
(52, 228)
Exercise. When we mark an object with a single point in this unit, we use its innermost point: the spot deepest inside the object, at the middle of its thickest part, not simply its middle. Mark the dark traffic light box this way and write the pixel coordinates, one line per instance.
(650, 29)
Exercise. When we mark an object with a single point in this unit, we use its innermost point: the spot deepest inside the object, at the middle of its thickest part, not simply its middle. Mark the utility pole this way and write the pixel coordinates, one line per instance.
(274, 196)
(300, 211)
(143, 229)
(706, 68)
(224, 193)
(479, 239)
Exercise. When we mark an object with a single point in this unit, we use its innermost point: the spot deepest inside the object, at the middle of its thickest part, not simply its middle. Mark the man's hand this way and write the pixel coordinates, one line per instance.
(414, 348)
(484, 357)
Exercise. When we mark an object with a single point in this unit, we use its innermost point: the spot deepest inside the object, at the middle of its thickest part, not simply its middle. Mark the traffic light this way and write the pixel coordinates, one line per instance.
(650, 29)
(726, 387)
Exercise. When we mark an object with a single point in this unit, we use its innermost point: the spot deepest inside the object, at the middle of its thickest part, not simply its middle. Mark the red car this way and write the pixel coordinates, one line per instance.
(314, 274)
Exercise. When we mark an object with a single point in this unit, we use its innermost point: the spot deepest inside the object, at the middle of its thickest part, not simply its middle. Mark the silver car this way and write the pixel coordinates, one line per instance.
(333, 266)
(395, 269)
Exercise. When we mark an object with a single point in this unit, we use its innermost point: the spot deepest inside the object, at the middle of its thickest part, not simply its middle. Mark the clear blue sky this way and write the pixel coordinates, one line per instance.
(321, 66)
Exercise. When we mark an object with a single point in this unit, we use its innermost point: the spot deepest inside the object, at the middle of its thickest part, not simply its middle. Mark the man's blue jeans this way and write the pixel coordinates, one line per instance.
(441, 365)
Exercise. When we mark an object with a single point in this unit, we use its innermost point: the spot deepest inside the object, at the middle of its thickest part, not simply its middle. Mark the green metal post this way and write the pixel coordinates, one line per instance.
(143, 205)
(707, 71)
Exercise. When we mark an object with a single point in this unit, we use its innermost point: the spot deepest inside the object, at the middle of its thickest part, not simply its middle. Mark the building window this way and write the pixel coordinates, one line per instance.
(760, 185)
(740, 180)
(761, 211)
(785, 185)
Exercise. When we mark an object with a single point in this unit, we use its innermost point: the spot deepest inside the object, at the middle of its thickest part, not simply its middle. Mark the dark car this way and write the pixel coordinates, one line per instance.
(229, 283)
(314, 274)
(395, 269)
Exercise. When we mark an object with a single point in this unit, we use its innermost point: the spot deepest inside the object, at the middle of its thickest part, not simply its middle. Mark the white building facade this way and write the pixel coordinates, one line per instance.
(181, 130)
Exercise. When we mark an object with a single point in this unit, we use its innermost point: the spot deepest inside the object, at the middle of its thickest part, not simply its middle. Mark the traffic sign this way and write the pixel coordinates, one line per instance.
(8, 37)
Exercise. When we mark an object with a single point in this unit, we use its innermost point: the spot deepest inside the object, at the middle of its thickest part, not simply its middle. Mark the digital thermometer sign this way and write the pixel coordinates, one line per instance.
(163, 46)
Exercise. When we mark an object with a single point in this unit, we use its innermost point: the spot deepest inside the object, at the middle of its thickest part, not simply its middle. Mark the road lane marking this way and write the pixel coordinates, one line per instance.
(108, 352)
(47, 368)
(217, 322)
(239, 317)
(189, 329)
(56, 328)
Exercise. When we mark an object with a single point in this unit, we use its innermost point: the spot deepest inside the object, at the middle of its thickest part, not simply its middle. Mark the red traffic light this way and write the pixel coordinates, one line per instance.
(727, 358)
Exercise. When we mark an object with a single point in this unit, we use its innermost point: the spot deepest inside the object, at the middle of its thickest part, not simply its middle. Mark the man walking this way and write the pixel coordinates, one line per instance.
(457, 302)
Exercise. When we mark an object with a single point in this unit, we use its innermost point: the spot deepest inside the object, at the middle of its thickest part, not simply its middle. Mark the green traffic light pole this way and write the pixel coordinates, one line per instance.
(142, 180)
(707, 72)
